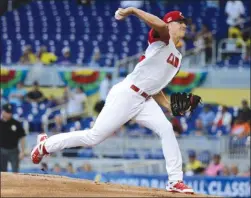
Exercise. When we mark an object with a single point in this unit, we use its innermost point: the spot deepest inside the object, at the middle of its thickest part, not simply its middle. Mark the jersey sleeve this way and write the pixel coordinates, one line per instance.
(153, 37)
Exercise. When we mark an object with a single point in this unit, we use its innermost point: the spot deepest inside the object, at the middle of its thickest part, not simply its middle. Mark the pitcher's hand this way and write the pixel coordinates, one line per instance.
(122, 13)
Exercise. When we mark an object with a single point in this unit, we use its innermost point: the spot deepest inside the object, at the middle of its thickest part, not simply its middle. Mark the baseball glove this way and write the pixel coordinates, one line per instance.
(183, 102)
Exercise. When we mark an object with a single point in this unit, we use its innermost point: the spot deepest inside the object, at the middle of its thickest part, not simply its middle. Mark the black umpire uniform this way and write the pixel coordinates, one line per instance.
(10, 135)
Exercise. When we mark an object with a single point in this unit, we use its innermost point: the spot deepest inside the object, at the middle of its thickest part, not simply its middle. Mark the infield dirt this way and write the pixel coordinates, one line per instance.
(36, 185)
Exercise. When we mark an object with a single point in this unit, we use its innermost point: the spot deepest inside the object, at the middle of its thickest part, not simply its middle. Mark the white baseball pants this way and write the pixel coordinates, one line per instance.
(123, 104)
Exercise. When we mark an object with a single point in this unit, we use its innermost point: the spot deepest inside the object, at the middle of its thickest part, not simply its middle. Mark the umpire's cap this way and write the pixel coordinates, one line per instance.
(7, 108)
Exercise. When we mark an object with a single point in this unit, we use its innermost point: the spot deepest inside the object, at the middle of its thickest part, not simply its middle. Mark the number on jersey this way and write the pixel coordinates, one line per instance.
(173, 60)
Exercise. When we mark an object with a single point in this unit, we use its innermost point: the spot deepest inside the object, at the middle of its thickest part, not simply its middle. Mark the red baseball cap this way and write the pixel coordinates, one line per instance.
(174, 16)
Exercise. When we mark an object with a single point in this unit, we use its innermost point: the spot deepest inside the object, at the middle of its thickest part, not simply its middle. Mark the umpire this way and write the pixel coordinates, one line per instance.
(11, 133)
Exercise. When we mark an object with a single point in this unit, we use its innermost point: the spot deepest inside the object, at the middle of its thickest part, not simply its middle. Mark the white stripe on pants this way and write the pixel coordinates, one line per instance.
(123, 104)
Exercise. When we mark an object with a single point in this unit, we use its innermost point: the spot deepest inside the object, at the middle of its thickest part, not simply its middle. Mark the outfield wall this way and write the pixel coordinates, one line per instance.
(219, 186)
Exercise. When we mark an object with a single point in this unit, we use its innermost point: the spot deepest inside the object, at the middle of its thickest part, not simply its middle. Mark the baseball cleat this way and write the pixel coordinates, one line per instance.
(41, 137)
(179, 187)
(39, 151)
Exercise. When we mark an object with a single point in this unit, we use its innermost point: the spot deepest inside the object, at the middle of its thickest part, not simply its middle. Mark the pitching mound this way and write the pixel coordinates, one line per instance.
(36, 185)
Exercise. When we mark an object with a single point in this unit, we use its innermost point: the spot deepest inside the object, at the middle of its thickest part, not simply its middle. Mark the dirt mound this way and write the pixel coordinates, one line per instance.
(38, 185)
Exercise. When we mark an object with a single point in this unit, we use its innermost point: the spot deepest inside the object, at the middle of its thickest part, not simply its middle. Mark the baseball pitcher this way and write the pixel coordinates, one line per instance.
(138, 97)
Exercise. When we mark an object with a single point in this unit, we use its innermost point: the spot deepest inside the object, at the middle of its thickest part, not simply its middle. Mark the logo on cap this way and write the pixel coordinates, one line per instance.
(169, 19)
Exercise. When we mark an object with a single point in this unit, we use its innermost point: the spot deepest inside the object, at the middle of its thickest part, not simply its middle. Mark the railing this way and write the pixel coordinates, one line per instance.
(138, 167)
(224, 145)
(118, 146)
(45, 118)
(197, 59)
(191, 59)
(46, 121)
(231, 47)
(127, 64)
(238, 149)
(105, 165)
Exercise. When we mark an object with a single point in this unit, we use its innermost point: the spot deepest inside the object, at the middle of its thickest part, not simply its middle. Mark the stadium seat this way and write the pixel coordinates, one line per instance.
(64, 23)
(131, 154)
(86, 153)
(204, 156)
